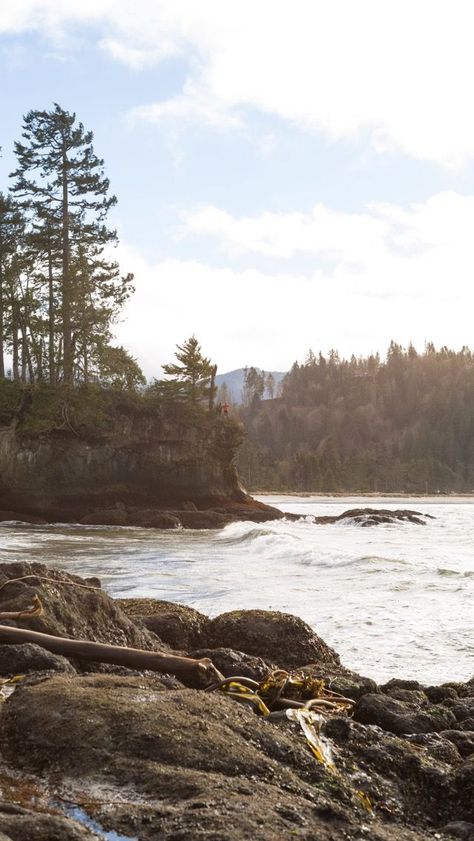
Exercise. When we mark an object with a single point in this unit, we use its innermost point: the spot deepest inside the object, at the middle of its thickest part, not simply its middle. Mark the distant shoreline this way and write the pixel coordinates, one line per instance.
(361, 495)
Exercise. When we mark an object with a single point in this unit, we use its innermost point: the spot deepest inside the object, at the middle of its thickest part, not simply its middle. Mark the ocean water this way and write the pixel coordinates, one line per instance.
(393, 600)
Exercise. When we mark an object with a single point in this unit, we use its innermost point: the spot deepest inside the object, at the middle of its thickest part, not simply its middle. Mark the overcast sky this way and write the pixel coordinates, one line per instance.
(291, 174)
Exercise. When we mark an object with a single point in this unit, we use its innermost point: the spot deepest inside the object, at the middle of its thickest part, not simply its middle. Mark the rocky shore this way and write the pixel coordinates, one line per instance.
(92, 751)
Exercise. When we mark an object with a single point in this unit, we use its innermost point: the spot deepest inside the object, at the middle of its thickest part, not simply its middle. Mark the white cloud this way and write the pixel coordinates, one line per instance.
(395, 273)
(136, 57)
(441, 225)
(398, 70)
(191, 107)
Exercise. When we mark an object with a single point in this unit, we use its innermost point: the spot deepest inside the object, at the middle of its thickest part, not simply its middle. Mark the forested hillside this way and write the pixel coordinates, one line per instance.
(403, 424)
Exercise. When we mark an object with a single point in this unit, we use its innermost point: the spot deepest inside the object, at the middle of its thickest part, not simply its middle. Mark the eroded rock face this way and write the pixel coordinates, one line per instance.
(275, 636)
(140, 461)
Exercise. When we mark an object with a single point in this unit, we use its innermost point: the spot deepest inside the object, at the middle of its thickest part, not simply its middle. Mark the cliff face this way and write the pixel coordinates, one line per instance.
(139, 461)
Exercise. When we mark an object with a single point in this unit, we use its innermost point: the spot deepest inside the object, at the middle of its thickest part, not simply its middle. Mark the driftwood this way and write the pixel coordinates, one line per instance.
(199, 673)
(34, 609)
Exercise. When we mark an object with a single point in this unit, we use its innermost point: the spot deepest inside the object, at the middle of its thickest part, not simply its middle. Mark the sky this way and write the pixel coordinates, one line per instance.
(290, 174)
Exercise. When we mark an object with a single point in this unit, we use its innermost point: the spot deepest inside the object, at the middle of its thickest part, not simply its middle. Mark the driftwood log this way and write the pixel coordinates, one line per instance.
(199, 673)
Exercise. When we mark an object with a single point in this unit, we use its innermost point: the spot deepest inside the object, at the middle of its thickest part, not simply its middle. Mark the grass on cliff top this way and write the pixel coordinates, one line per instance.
(92, 410)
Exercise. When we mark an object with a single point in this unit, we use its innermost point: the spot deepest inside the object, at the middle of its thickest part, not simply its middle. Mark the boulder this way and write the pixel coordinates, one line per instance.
(179, 626)
(401, 718)
(277, 637)
(235, 663)
(19, 659)
(72, 608)
(463, 739)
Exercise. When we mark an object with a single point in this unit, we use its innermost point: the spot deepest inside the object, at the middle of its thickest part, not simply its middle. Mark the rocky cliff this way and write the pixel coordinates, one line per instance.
(132, 459)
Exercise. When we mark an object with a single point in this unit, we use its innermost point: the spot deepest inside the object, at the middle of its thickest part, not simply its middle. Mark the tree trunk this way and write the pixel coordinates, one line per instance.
(25, 353)
(52, 371)
(66, 297)
(193, 672)
(15, 355)
(2, 336)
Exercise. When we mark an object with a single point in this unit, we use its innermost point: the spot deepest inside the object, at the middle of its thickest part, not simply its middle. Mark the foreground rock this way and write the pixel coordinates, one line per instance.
(147, 758)
(73, 607)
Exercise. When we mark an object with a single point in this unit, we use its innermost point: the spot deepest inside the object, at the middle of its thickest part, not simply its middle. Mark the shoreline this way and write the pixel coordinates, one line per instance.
(360, 495)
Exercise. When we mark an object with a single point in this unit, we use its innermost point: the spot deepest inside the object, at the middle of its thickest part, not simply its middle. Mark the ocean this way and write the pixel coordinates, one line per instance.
(395, 600)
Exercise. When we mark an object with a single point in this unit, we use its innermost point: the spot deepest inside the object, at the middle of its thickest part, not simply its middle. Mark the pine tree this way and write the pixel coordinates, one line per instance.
(60, 178)
(12, 228)
(192, 378)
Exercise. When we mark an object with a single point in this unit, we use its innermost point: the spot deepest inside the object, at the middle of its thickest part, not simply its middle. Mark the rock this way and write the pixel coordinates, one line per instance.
(253, 513)
(235, 663)
(398, 718)
(436, 746)
(181, 627)
(349, 684)
(463, 708)
(203, 519)
(411, 698)
(405, 782)
(464, 740)
(23, 517)
(459, 829)
(186, 764)
(189, 506)
(70, 610)
(376, 516)
(463, 785)
(19, 824)
(437, 694)
(154, 519)
(18, 659)
(278, 637)
(399, 683)
(106, 517)
(466, 690)
(132, 454)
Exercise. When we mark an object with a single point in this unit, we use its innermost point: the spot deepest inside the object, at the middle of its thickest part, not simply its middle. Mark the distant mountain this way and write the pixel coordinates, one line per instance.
(235, 381)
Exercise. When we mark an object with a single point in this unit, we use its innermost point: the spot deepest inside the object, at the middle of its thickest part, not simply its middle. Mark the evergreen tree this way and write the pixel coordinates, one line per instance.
(191, 379)
(61, 182)
(12, 228)
(254, 386)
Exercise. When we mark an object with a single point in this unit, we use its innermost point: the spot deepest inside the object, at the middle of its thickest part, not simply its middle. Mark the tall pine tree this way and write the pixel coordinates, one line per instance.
(61, 182)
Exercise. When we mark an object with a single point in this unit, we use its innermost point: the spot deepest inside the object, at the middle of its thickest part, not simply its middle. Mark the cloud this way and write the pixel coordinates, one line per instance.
(191, 107)
(442, 226)
(399, 71)
(137, 58)
(393, 273)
